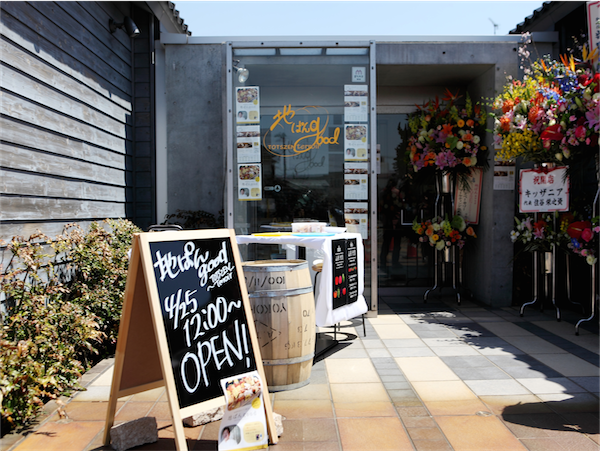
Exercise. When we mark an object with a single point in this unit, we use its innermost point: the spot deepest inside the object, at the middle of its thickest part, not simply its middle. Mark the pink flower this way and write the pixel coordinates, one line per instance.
(593, 119)
(580, 132)
(587, 235)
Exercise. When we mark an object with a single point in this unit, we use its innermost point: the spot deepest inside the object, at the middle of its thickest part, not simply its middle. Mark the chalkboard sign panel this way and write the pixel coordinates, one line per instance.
(186, 325)
(203, 315)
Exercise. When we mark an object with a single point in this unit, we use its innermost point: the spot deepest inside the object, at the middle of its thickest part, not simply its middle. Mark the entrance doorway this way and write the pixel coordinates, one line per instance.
(403, 262)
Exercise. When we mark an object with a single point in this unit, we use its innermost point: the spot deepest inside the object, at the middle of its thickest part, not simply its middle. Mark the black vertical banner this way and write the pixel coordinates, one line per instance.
(352, 268)
(340, 270)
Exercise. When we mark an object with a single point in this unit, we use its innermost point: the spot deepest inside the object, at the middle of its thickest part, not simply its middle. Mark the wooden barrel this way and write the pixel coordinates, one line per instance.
(283, 305)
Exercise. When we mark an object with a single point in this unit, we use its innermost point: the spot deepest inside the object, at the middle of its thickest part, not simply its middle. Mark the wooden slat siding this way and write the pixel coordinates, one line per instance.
(66, 123)
(28, 184)
(38, 70)
(59, 38)
(56, 58)
(24, 135)
(85, 34)
(103, 12)
(32, 208)
(95, 31)
(36, 114)
(23, 159)
(32, 89)
(52, 229)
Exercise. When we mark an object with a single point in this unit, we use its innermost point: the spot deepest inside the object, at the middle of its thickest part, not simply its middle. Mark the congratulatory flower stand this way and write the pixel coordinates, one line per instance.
(446, 144)
(552, 117)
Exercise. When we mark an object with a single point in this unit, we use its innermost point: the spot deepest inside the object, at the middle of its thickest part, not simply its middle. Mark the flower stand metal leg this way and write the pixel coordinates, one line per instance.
(435, 276)
(535, 284)
(593, 303)
(593, 296)
(455, 268)
(553, 278)
(444, 185)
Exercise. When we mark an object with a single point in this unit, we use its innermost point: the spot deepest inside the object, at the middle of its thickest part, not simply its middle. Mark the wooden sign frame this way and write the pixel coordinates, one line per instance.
(143, 357)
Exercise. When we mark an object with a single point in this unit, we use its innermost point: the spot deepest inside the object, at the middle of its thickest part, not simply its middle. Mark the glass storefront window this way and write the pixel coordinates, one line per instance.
(301, 135)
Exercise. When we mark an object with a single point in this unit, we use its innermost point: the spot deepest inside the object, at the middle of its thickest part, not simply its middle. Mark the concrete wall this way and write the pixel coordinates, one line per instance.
(195, 113)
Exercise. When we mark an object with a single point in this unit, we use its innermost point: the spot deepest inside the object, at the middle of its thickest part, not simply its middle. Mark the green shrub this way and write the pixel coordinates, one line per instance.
(63, 301)
(100, 262)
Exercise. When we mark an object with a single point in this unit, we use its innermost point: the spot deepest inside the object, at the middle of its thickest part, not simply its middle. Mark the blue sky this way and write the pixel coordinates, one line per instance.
(353, 18)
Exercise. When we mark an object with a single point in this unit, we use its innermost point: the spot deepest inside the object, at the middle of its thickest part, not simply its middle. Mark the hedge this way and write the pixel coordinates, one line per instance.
(62, 301)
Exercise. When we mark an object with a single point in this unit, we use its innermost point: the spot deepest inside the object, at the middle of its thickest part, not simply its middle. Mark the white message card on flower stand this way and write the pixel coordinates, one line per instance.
(543, 190)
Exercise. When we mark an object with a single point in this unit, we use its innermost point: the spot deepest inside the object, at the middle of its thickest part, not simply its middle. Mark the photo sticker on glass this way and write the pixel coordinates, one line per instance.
(247, 105)
(249, 182)
(355, 103)
(355, 142)
(248, 143)
(356, 217)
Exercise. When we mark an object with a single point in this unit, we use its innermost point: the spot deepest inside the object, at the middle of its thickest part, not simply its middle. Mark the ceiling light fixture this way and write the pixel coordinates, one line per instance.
(242, 72)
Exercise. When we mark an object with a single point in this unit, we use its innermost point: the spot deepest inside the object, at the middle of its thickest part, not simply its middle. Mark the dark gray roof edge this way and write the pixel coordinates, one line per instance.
(346, 41)
(169, 17)
(546, 13)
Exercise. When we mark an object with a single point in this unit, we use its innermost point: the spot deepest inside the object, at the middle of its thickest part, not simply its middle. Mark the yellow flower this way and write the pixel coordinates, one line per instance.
(460, 123)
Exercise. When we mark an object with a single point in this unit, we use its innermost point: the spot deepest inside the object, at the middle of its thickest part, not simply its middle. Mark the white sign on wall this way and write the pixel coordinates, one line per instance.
(543, 190)
(359, 74)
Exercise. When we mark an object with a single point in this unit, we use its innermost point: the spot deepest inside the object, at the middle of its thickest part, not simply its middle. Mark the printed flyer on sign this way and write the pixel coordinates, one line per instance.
(356, 103)
(248, 143)
(249, 182)
(356, 181)
(355, 142)
(244, 424)
(356, 216)
(247, 105)
(504, 175)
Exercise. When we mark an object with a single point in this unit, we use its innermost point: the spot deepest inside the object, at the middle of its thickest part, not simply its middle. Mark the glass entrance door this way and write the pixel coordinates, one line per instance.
(402, 260)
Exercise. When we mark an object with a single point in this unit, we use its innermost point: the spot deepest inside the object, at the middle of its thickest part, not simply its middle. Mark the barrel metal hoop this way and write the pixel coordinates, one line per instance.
(274, 388)
(291, 361)
(278, 293)
(296, 267)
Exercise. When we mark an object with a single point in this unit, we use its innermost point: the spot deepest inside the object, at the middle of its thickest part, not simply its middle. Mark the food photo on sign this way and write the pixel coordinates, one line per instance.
(243, 426)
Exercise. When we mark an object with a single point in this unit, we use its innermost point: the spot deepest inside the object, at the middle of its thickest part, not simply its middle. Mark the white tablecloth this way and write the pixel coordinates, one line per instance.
(324, 312)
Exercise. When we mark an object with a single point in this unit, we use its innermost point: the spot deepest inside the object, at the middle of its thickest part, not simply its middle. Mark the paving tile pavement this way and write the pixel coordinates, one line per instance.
(439, 377)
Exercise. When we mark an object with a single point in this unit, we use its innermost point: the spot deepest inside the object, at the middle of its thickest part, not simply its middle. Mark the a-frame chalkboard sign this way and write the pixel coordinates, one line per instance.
(186, 324)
